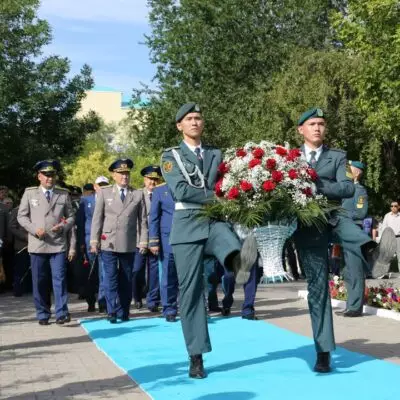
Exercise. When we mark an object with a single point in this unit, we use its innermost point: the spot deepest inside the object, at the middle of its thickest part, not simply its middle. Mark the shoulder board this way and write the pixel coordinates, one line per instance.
(61, 188)
(105, 187)
(170, 148)
(206, 146)
(32, 187)
(337, 150)
(161, 184)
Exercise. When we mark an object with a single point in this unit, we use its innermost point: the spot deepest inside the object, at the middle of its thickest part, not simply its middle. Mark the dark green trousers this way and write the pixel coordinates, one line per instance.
(312, 247)
(189, 263)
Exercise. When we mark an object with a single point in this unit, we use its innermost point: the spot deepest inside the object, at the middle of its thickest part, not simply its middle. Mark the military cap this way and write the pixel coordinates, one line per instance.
(88, 186)
(121, 165)
(312, 113)
(186, 109)
(151, 171)
(49, 166)
(357, 164)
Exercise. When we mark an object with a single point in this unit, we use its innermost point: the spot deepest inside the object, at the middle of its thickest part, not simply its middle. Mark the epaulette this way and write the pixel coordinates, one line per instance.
(170, 148)
(32, 187)
(61, 188)
(161, 184)
(338, 150)
(105, 187)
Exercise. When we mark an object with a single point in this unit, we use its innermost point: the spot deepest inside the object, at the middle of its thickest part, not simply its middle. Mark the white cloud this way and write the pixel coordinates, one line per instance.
(96, 10)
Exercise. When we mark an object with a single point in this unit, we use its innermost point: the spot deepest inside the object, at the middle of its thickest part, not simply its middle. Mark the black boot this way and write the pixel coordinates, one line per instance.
(196, 369)
(323, 362)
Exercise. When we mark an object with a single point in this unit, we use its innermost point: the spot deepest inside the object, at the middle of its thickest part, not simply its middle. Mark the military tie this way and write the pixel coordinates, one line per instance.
(197, 150)
(313, 160)
(47, 194)
(122, 194)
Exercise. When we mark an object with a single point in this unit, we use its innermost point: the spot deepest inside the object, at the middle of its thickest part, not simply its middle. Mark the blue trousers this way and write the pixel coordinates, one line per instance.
(118, 281)
(45, 267)
(228, 287)
(153, 278)
(169, 285)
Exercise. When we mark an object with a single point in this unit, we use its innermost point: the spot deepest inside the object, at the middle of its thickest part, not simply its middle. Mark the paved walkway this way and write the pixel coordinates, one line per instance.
(61, 362)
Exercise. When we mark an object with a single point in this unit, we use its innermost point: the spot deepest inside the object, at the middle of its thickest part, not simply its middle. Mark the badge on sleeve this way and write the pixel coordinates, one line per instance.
(360, 202)
(167, 166)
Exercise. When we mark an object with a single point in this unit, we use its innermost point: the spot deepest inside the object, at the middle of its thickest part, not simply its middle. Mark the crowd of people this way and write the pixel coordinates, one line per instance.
(115, 245)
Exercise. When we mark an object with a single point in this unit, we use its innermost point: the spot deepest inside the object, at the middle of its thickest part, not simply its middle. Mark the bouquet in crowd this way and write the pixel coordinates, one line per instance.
(265, 182)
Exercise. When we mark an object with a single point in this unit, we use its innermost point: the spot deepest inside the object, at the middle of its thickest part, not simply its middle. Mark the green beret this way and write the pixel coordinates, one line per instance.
(313, 113)
(186, 109)
(357, 164)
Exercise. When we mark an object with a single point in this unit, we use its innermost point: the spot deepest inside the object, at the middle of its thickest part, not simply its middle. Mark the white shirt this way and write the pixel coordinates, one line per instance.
(47, 190)
(308, 150)
(392, 220)
(124, 189)
(193, 148)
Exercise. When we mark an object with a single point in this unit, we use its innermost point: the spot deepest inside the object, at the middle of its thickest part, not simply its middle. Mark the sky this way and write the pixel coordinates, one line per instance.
(106, 34)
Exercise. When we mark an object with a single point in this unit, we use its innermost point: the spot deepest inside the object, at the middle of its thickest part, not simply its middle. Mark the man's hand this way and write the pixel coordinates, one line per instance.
(40, 233)
(142, 250)
(71, 256)
(94, 249)
(155, 250)
(57, 228)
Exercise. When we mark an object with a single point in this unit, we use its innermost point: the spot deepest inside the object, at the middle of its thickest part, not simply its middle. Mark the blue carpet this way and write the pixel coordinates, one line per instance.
(250, 360)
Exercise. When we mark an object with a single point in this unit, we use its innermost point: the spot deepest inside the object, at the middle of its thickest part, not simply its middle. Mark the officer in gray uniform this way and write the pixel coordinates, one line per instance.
(119, 218)
(354, 273)
(46, 213)
(190, 171)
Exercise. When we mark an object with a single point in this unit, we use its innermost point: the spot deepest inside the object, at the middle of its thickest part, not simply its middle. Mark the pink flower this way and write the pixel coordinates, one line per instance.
(331, 284)
(103, 237)
(268, 186)
(277, 176)
(258, 152)
(233, 193)
(281, 151)
(223, 168)
(271, 163)
(246, 186)
(254, 162)
(241, 152)
(293, 174)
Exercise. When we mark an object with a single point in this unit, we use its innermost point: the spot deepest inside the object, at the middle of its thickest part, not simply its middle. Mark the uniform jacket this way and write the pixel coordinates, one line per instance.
(35, 212)
(187, 226)
(116, 224)
(357, 205)
(20, 235)
(160, 218)
(84, 218)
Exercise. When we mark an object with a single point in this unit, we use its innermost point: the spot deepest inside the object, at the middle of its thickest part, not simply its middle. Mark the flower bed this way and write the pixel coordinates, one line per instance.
(385, 296)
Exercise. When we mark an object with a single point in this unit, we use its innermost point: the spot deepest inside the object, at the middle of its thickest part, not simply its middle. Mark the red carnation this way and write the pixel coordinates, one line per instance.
(293, 174)
(218, 189)
(269, 186)
(63, 220)
(258, 152)
(241, 152)
(223, 168)
(277, 176)
(294, 153)
(271, 163)
(233, 193)
(281, 151)
(254, 162)
(103, 237)
(312, 174)
(85, 263)
(246, 186)
(308, 192)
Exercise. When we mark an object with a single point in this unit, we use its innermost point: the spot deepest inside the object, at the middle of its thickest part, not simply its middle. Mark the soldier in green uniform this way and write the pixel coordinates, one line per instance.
(354, 271)
(190, 171)
(312, 245)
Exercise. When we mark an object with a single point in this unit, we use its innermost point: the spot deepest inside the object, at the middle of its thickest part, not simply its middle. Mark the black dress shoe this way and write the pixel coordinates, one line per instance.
(112, 318)
(102, 309)
(225, 312)
(341, 312)
(196, 369)
(138, 305)
(170, 318)
(43, 322)
(352, 314)
(215, 309)
(323, 362)
(154, 309)
(60, 321)
(251, 317)
(91, 308)
(67, 318)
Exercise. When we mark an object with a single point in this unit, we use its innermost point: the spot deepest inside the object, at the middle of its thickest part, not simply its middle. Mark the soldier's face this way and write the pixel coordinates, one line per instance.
(191, 125)
(3, 193)
(356, 172)
(121, 178)
(47, 180)
(150, 183)
(313, 132)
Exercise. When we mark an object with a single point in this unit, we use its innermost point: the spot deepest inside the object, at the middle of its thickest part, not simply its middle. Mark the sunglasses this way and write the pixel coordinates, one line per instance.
(394, 206)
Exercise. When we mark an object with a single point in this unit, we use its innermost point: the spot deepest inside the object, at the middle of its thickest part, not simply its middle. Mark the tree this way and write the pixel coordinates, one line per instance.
(370, 32)
(219, 54)
(38, 102)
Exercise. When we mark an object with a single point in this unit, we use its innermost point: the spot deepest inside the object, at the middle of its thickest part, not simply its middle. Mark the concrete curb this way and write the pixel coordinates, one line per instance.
(379, 312)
